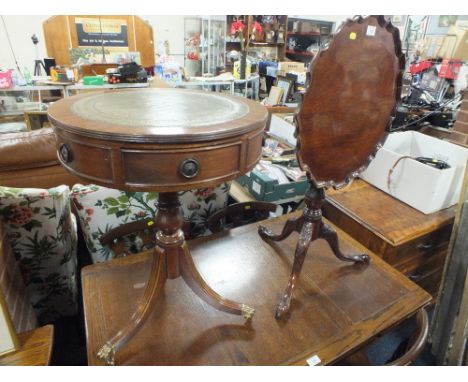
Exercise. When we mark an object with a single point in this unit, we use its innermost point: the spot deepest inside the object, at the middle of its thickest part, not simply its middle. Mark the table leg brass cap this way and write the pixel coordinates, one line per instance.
(107, 354)
(247, 311)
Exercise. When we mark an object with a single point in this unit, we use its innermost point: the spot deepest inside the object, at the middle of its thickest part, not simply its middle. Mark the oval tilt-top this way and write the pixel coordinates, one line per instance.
(355, 84)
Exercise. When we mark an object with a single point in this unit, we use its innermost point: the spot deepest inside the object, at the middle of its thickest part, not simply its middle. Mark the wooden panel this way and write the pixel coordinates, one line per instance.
(253, 154)
(329, 318)
(35, 350)
(144, 41)
(57, 39)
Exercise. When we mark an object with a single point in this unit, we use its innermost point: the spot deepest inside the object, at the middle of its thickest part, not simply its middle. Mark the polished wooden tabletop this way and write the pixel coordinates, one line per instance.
(35, 348)
(337, 307)
(157, 115)
(346, 112)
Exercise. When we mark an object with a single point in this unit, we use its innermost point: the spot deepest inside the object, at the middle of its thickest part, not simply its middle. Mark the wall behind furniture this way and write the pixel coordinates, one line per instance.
(20, 30)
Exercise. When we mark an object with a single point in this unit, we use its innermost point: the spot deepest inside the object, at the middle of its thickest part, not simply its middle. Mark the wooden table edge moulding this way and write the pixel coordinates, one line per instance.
(162, 140)
(345, 116)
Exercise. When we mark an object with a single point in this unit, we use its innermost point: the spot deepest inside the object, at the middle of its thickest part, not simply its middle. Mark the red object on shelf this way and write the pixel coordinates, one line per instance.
(5, 79)
(420, 67)
(298, 52)
(450, 69)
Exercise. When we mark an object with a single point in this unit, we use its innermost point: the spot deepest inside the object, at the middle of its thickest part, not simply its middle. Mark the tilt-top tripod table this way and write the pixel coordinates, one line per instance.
(163, 140)
(346, 113)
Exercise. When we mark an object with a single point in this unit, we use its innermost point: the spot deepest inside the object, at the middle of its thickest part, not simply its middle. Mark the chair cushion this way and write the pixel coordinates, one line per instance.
(100, 209)
(32, 149)
(43, 237)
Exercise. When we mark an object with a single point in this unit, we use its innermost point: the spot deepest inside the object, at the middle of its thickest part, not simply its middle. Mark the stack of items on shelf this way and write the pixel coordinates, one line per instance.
(277, 177)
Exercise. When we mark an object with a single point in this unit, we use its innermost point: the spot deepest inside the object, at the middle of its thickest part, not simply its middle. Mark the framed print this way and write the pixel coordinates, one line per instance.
(275, 95)
(287, 85)
(8, 339)
(446, 20)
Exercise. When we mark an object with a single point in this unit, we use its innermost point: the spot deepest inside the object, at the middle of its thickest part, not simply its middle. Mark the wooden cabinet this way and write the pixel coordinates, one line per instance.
(304, 37)
(63, 32)
(414, 243)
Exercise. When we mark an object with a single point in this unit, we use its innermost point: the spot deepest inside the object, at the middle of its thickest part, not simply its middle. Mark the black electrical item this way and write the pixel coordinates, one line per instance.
(437, 163)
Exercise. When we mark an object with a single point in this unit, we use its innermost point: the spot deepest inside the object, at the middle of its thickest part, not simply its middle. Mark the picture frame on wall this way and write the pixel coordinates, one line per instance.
(8, 338)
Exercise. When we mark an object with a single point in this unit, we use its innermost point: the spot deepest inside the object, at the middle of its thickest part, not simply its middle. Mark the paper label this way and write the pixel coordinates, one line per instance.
(352, 36)
(256, 187)
(371, 30)
(314, 360)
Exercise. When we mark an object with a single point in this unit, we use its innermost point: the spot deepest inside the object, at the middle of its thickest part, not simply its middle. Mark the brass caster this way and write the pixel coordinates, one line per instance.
(107, 354)
(247, 311)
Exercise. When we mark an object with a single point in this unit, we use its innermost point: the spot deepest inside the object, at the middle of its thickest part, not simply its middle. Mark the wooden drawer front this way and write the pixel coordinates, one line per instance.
(426, 245)
(92, 162)
(431, 281)
(425, 269)
(155, 167)
(422, 265)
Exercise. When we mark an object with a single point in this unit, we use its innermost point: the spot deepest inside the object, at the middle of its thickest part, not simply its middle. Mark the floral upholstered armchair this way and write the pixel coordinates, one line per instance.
(100, 209)
(42, 233)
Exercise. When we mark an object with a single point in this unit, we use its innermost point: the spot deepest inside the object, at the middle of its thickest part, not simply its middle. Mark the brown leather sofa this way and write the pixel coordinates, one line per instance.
(29, 159)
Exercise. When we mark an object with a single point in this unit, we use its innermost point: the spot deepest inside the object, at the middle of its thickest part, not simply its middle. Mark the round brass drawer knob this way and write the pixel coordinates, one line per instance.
(65, 153)
(189, 168)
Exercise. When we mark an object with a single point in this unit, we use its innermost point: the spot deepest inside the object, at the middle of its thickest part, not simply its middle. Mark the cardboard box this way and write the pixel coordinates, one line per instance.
(455, 44)
(264, 188)
(289, 66)
(423, 187)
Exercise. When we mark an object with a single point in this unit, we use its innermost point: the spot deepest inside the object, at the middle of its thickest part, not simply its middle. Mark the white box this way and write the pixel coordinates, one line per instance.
(423, 187)
(282, 129)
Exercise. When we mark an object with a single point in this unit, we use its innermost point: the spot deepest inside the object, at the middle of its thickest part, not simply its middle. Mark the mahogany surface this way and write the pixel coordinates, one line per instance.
(35, 350)
(347, 109)
(413, 242)
(337, 308)
(137, 139)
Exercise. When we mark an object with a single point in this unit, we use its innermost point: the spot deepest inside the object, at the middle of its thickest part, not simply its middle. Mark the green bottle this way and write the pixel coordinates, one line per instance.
(27, 76)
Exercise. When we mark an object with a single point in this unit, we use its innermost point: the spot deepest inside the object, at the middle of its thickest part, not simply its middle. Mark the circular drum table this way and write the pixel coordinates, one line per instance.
(163, 140)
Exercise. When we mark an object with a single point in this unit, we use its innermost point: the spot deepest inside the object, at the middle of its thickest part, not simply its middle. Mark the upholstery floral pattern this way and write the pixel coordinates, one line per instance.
(101, 209)
(43, 237)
